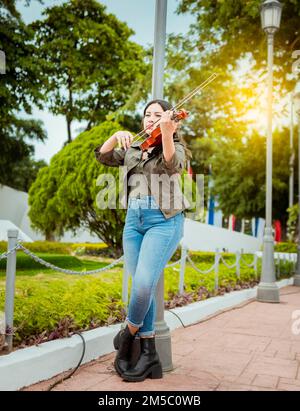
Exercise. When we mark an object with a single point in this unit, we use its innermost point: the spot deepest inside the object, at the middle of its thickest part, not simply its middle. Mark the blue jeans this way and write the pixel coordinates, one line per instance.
(149, 241)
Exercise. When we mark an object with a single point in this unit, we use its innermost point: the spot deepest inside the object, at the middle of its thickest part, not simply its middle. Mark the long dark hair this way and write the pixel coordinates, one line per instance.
(165, 105)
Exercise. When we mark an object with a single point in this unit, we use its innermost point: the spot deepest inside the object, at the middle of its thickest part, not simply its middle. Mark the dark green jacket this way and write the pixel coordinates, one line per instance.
(168, 194)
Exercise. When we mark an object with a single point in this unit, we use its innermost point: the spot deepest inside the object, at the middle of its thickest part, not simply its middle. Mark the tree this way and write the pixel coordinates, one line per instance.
(226, 31)
(227, 38)
(19, 90)
(90, 66)
(24, 173)
(63, 197)
(238, 169)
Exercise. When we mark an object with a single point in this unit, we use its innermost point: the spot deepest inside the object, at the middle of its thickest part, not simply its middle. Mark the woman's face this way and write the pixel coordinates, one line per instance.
(152, 114)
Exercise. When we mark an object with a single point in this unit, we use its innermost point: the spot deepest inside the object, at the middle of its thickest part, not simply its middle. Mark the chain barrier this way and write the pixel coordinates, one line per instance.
(172, 264)
(224, 262)
(63, 270)
(198, 269)
(114, 263)
(246, 264)
(5, 255)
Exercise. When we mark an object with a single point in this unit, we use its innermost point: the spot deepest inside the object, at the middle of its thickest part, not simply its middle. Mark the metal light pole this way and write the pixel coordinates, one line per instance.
(267, 289)
(297, 108)
(162, 331)
(159, 49)
(292, 157)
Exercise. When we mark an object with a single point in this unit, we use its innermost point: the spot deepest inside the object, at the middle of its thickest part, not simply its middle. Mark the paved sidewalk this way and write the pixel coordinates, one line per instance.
(250, 347)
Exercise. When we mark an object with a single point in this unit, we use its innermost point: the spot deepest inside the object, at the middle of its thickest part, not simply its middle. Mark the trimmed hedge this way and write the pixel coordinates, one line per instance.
(56, 247)
(286, 247)
(100, 249)
(43, 247)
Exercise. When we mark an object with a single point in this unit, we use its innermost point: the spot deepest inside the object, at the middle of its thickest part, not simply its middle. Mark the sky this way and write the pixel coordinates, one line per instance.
(139, 16)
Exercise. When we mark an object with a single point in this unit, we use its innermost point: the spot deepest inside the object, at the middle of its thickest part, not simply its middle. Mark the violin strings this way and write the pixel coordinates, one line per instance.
(143, 132)
(180, 103)
(195, 91)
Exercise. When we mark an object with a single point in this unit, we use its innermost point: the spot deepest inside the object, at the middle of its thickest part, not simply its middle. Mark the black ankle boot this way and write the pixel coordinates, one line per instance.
(148, 364)
(123, 342)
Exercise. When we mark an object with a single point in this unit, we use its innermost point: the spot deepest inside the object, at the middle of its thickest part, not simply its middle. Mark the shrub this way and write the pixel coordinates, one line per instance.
(100, 249)
(50, 309)
(43, 247)
(288, 247)
(64, 195)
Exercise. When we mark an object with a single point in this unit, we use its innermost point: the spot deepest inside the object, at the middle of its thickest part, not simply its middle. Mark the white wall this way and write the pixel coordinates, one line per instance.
(14, 208)
(199, 236)
(6, 225)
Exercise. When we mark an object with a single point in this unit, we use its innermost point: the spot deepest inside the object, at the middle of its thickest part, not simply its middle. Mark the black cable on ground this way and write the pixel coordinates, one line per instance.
(75, 369)
(184, 326)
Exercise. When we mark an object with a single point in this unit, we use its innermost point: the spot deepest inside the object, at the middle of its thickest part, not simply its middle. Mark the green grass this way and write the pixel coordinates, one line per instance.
(28, 267)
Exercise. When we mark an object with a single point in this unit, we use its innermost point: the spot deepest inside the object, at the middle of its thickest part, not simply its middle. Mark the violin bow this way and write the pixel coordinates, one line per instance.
(211, 78)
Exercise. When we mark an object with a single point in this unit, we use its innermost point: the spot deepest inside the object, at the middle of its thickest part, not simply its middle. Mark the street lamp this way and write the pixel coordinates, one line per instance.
(297, 109)
(270, 13)
(267, 290)
(292, 156)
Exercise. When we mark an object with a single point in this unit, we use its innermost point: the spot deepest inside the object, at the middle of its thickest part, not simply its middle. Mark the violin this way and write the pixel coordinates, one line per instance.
(155, 138)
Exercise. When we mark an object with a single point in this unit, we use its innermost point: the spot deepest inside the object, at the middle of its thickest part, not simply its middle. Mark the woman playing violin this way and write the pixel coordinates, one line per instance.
(153, 227)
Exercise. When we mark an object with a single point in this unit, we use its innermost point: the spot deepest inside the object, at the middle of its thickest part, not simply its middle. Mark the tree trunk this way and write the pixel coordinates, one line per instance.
(70, 110)
(69, 130)
(49, 236)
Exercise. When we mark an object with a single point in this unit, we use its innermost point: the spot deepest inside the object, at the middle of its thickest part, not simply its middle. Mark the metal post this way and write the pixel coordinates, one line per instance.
(159, 49)
(294, 262)
(297, 276)
(162, 331)
(125, 280)
(217, 259)
(10, 288)
(255, 265)
(292, 156)
(290, 263)
(243, 226)
(238, 267)
(267, 290)
(182, 268)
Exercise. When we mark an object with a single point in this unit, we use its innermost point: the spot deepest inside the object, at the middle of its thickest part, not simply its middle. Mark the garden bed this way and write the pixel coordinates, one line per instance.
(51, 305)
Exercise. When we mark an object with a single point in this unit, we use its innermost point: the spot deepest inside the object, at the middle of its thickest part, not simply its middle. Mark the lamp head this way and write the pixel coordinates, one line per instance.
(270, 13)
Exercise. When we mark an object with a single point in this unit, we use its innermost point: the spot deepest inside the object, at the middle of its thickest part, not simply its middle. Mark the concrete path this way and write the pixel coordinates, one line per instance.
(251, 347)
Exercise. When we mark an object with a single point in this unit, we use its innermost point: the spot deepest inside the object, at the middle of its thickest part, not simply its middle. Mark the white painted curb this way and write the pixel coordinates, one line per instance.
(34, 364)
(195, 312)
